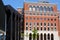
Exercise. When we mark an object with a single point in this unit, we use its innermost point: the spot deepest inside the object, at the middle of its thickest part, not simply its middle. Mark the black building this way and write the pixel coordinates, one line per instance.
(13, 23)
(2, 16)
(10, 22)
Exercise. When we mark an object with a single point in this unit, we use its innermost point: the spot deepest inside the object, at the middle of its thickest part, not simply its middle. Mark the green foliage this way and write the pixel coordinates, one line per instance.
(24, 34)
(34, 33)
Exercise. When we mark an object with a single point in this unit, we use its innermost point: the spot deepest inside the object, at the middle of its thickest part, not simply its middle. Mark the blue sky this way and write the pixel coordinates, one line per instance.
(19, 3)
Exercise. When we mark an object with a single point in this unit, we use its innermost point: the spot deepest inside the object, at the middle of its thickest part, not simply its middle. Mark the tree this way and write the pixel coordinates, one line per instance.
(34, 34)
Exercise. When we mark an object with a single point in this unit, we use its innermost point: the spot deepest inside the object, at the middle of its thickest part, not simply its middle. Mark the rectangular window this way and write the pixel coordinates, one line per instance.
(37, 28)
(48, 24)
(44, 28)
(51, 24)
(48, 28)
(26, 28)
(54, 19)
(41, 24)
(41, 28)
(30, 9)
(30, 28)
(30, 23)
(26, 18)
(44, 24)
(30, 18)
(55, 28)
(26, 23)
(37, 23)
(54, 24)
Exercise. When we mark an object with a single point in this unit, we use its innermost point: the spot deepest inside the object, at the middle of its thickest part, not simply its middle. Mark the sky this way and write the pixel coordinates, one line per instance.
(19, 3)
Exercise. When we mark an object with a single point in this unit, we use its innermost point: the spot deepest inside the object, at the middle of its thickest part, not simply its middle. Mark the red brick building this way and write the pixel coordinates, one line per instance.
(44, 17)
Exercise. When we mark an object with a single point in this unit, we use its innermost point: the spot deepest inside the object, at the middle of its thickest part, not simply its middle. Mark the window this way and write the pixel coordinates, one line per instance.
(37, 36)
(30, 36)
(44, 28)
(34, 23)
(41, 14)
(30, 18)
(41, 18)
(33, 13)
(51, 8)
(30, 28)
(34, 18)
(37, 18)
(30, 13)
(51, 19)
(54, 14)
(37, 8)
(48, 28)
(44, 24)
(54, 24)
(26, 13)
(51, 28)
(41, 36)
(44, 18)
(37, 28)
(48, 24)
(52, 37)
(48, 9)
(37, 23)
(54, 19)
(48, 19)
(41, 28)
(30, 23)
(54, 28)
(26, 18)
(26, 28)
(51, 14)
(33, 8)
(44, 14)
(48, 14)
(48, 36)
(41, 8)
(30, 8)
(26, 23)
(37, 13)
(51, 24)
(41, 24)
(45, 9)
(44, 36)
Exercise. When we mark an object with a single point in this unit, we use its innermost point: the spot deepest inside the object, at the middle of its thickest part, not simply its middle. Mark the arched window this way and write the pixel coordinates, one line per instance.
(51, 8)
(37, 8)
(37, 36)
(30, 36)
(41, 8)
(34, 8)
(48, 36)
(45, 9)
(34, 35)
(30, 8)
(52, 37)
(41, 36)
(44, 36)
(48, 9)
